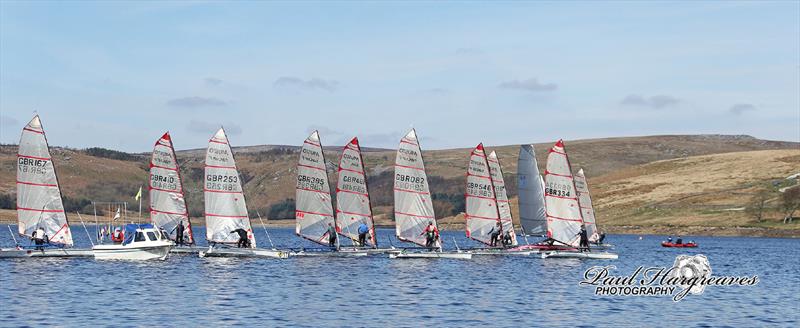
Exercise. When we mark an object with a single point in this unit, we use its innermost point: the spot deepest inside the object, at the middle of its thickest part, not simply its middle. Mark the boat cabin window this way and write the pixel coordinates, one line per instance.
(139, 236)
(152, 236)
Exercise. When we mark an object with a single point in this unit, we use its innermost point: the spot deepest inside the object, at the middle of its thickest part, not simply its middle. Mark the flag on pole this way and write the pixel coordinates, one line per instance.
(139, 194)
(116, 216)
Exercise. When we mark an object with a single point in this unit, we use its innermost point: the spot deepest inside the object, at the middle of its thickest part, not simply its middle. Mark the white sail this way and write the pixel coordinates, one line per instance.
(167, 201)
(39, 203)
(313, 206)
(563, 210)
(481, 205)
(352, 196)
(503, 206)
(226, 209)
(413, 206)
(532, 216)
(587, 210)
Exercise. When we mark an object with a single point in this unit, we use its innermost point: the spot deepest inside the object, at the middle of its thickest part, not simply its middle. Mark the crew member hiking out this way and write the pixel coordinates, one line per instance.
(243, 242)
(584, 246)
(431, 234)
(363, 230)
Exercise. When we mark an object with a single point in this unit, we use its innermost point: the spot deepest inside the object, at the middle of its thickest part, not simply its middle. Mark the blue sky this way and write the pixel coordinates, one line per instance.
(118, 74)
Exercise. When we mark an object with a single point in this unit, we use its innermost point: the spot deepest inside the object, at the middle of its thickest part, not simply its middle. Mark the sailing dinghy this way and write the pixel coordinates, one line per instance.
(413, 206)
(314, 208)
(564, 215)
(40, 208)
(582, 187)
(225, 206)
(483, 172)
(167, 202)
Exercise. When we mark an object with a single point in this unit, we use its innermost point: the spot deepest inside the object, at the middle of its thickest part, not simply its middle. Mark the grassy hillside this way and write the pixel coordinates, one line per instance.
(636, 181)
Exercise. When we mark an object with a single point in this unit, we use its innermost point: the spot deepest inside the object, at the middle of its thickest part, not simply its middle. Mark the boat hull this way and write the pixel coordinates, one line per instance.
(503, 252)
(686, 245)
(244, 252)
(135, 253)
(579, 255)
(431, 255)
(52, 252)
(330, 254)
(187, 249)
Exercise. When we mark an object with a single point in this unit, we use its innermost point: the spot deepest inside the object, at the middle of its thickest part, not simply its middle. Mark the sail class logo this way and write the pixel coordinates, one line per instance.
(688, 275)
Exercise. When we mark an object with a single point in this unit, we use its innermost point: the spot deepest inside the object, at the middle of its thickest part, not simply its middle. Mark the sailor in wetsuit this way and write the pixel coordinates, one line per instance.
(431, 234)
(39, 238)
(331, 235)
(179, 233)
(363, 230)
(495, 234)
(243, 242)
(584, 239)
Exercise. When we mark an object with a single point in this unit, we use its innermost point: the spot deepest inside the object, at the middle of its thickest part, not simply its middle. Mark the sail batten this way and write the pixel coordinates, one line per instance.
(587, 209)
(225, 205)
(530, 185)
(39, 201)
(413, 206)
(313, 206)
(167, 200)
(501, 195)
(564, 218)
(352, 195)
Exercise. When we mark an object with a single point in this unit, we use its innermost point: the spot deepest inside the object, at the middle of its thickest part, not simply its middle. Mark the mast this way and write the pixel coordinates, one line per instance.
(413, 206)
(353, 206)
(225, 204)
(39, 198)
(482, 214)
(313, 204)
(167, 199)
(500, 192)
(564, 217)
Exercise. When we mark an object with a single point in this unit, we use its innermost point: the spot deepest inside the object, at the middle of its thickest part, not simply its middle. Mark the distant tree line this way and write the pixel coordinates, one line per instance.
(112, 154)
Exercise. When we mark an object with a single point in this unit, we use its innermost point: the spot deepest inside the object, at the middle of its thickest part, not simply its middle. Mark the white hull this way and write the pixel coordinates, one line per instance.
(502, 252)
(53, 252)
(243, 252)
(431, 255)
(580, 255)
(187, 249)
(348, 253)
(158, 251)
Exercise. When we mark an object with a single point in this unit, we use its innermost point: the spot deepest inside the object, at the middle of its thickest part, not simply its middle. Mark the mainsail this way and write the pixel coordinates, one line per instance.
(563, 210)
(503, 205)
(532, 216)
(39, 203)
(352, 196)
(167, 201)
(587, 210)
(314, 209)
(413, 206)
(481, 205)
(226, 209)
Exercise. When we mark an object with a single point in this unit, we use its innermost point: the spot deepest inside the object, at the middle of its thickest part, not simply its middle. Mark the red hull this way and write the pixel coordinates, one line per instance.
(666, 244)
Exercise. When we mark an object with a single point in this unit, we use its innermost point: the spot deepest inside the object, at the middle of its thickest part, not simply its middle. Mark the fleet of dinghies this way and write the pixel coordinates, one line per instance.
(557, 207)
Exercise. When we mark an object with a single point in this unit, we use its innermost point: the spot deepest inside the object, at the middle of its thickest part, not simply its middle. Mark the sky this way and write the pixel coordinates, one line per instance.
(119, 74)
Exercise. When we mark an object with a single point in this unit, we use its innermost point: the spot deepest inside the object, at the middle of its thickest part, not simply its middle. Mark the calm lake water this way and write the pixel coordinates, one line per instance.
(376, 291)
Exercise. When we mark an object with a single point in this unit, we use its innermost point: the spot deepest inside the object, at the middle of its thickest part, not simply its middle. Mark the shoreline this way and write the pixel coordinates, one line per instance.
(707, 231)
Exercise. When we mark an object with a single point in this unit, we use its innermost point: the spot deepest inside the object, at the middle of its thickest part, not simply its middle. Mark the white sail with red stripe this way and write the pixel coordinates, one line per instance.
(352, 196)
(167, 201)
(413, 206)
(39, 203)
(563, 210)
(481, 205)
(314, 209)
(500, 194)
(226, 209)
(587, 210)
